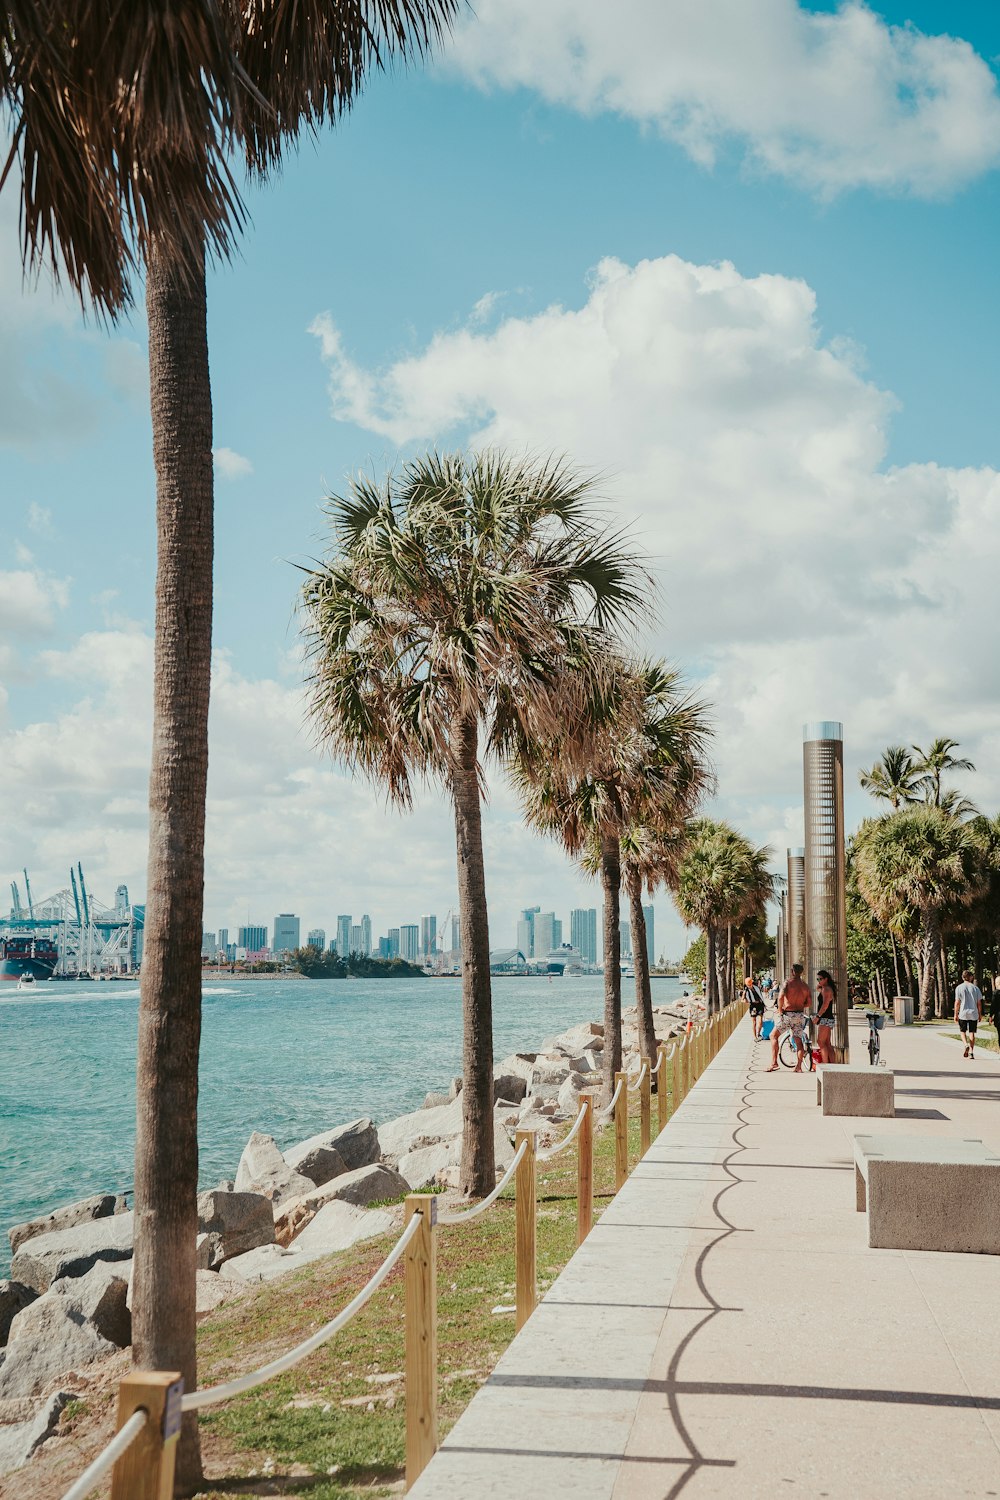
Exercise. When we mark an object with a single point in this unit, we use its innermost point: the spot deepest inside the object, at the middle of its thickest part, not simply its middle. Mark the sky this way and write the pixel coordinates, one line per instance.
(738, 261)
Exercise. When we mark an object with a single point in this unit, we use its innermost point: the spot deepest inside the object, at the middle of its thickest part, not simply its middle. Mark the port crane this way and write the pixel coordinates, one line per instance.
(92, 938)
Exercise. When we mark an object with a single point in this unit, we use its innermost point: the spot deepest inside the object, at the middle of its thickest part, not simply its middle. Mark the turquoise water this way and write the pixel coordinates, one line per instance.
(287, 1057)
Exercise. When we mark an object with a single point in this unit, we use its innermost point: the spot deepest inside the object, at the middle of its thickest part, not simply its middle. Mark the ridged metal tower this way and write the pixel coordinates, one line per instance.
(795, 909)
(825, 885)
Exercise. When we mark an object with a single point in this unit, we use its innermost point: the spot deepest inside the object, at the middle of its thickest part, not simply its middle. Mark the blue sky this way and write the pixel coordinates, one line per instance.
(509, 171)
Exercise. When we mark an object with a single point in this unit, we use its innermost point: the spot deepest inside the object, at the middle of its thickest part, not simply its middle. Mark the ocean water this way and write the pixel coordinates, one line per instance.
(290, 1058)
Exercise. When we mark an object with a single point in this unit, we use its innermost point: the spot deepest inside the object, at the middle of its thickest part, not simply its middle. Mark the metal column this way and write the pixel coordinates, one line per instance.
(825, 889)
(795, 930)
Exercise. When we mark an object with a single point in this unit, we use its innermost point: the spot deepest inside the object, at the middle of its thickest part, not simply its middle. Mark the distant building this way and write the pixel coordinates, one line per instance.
(393, 941)
(287, 933)
(252, 939)
(207, 943)
(366, 936)
(409, 943)
(344, 935)
(428, 935)
(507, 961)
(383, 948)
(583, 933)
(316, 938)
(647, 912)
(456, 935)
(526, 930)
(121, 901)
(548, 934)
(354, 941)
(223, 944)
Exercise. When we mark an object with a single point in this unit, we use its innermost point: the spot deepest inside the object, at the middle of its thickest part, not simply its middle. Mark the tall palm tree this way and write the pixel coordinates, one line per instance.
(635, 758)
(931, 765)
(125, 120)
(721, 880)
(894, 778)
(466, 602)
(920, 861)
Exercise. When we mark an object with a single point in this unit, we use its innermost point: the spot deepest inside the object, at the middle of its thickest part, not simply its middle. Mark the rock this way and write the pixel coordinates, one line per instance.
(209, 1290)
(20, 1440)
(263, 1170)
(316, 1160)
(72, 1252)
(547, 1073)
(48, 1339)
(503, 1151)
(357, 1143)
(423, 1127)
(204, 1249)
(101, 1297)
(335, 1227)
(456, 1087)
(509, 1086)
(367, 1185)
(422, 1168)
(14, 1298)
(235, 1223)
(101, 1206)
(434, 1101)
(519, 1063)
(570, 1092)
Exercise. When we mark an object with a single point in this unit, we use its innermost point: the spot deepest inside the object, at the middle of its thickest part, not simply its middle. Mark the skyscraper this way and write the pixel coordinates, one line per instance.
(121, 901)
(355, 938)
(626, 938)
(316, 938)
(526, 930)
(647, 912)
(428, 935)
(583, 932)
(208, 945)
(366, 936)
(456, 935)
(393, 942)
(547, 929)
(253, 939)
(287, 932)
(224, 942)
(344, 935)
(409, 943)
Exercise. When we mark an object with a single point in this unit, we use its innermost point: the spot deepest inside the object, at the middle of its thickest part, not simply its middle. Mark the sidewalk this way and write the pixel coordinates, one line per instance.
(726, 1331)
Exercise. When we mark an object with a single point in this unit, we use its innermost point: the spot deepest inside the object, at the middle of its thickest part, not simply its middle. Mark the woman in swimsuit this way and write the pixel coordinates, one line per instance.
(826, 1014)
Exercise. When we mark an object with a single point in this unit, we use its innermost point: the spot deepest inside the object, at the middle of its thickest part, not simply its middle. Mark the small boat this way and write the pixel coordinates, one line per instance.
(27, 982)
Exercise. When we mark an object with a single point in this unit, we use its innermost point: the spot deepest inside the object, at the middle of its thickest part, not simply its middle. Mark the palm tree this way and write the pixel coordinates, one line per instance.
(931, 765)
(894, 778)
(721, 881)
(124, 122)
(466, 604)
(920, 861)
(635, 758)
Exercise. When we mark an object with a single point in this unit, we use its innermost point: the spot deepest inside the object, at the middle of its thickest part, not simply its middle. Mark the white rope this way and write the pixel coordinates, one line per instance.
(473, 1213)
(614, 1099)
(567, 1139)
(195, 1400)
(639, 1077)
(105, 1461)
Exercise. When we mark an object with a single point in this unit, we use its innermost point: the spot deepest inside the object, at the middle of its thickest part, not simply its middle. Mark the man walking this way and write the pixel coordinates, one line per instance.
(968, 1010)
(794, 1000)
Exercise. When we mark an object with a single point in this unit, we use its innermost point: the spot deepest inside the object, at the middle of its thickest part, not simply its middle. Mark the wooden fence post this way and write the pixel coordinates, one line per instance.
(525, 1235)
(621, 1132)
(421, 1336)
(662, 1111)
(676, 1094)
(585, 1170)
(646, 1107)
(146, 1470)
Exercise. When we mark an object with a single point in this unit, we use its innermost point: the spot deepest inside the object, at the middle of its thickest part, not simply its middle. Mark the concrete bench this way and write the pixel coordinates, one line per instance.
(925, 1192)
(846, 1089)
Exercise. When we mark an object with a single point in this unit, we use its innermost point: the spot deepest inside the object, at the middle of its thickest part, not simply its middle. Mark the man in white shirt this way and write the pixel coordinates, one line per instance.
(968, 1010)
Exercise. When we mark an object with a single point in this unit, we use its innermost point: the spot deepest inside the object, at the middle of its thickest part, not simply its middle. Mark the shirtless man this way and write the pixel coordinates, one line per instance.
(794, 1000)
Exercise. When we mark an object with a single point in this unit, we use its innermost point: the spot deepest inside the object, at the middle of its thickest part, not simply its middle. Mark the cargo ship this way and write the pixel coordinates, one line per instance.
(27, 958)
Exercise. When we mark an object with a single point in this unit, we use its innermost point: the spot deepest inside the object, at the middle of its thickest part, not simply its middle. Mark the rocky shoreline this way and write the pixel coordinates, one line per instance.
(66, 1308)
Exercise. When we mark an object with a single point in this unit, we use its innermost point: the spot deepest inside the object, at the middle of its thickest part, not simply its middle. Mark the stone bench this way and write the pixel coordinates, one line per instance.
(925, 1192)
(847, 1089)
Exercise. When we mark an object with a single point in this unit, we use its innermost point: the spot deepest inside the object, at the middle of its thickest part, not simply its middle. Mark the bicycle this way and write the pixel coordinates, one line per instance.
(788, 1052)
(875, 1023)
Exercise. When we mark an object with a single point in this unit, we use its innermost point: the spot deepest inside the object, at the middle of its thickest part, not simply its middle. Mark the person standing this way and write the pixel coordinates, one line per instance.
(826, 1014)
(755, 1005)
(968, 1010)
(995, 1007)
(794, 999)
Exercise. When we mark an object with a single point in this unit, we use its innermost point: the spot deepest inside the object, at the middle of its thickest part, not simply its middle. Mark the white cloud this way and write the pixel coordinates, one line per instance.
(830, 100)
(39, 519)
(799, 578)
(29, 602)
(230, 464)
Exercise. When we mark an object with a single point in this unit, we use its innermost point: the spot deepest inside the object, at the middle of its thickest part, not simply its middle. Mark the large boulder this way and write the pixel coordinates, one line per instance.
(100, 1206)
(548, 1073)
(335, 1227)
(434, 1101)
(568, 1098)
(14, 1298)
(101, 1297)
(509, 1086)
(316, 1160)
(423, 1127)
(361, 1187)
(264, 1170)
(209, 1290)
(356, 1143)
(234, 1223)
(48, 1339)
(19, 1440)
(519, 1063)
(72, 1252)
(424, 1168)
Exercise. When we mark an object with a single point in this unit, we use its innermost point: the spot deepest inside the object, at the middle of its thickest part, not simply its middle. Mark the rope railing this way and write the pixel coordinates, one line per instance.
(108, 1457)
(141, 1454)
(468, 1214)
(198, 1400)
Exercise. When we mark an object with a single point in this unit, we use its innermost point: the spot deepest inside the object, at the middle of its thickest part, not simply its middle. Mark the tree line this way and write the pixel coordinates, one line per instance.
(314, 963)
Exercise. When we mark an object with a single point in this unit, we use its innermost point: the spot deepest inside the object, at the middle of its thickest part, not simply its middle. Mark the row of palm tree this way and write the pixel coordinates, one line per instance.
(927, 874)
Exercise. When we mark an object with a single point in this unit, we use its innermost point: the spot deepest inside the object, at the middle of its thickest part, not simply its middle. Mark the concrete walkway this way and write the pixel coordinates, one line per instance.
(726, 1331)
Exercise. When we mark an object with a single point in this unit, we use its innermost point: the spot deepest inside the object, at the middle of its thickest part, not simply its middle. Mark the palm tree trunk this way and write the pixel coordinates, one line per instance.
(640, 961)
(611, 877)
(166, 1155)
(941, 1008)
(895, 960)
(908, 969)
(478, 1171)
(730, 987)
(711, 967)
(930, 952)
